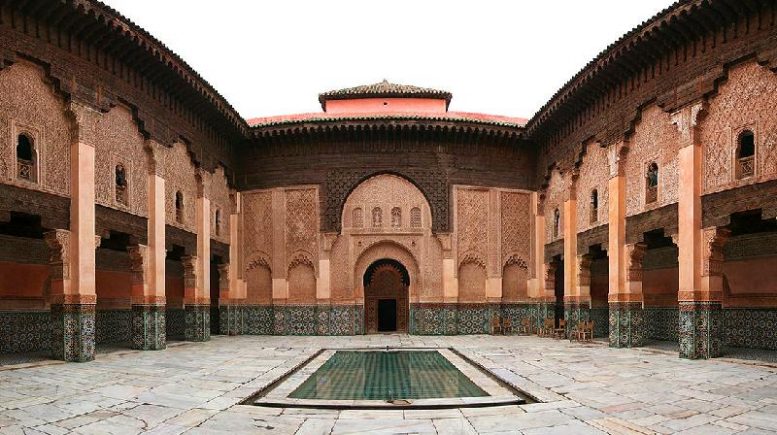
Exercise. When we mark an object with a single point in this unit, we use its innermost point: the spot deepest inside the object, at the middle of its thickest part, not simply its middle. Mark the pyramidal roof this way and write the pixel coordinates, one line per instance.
(384, 89)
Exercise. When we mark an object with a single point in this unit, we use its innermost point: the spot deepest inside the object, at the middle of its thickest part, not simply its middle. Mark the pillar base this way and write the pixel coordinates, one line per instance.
(149, 327)
(73, 332)
(197, 323)
(700, 329)
(230, 319)
(627, 324)
(575, 313)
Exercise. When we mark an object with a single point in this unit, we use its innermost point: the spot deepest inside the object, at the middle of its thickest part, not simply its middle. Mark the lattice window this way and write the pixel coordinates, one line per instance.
(594, 209)
(556, 223)
(745, 155)
(26, 161)
(377, 217)
(396, 217)
(120, 175)
(217, 222)
(357, 218)
(179, 205)
(651, 183)
(415, 217)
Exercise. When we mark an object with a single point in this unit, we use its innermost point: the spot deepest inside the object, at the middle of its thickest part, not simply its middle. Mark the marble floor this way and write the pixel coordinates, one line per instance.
(196, 388)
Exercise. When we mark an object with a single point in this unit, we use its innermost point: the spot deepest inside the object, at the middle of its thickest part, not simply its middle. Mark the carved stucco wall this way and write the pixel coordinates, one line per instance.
(180, 175)
(118, 141)
(555, 195)
(515, 219)
(747, 100)
(472, 227)
(594, 173)
(29, 105)
(220, 200)
(655, 139)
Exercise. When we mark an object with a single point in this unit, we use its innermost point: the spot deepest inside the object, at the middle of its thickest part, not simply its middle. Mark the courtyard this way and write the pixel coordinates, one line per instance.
(199, 387)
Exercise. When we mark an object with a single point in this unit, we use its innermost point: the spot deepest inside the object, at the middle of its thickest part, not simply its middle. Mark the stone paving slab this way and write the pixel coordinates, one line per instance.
(197, 388)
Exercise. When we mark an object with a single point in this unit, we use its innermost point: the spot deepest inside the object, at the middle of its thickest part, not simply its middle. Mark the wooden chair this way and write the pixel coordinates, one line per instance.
(496, 326)
(507, 326)
(547, 328)
(526, 326)
(561, 331)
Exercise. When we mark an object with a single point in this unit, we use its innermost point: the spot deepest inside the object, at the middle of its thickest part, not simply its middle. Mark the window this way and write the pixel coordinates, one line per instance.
(396, 217)
(217, 222)
(556, 223)
(377, 217)
(358, 218)
(651, 183)
(415, 217)
(121, 184)
(594, 206)
(179, 207)
(25, 158)
(745, 155)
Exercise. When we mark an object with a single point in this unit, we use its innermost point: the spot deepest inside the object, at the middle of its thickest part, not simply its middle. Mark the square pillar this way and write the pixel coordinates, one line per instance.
(148, 311)
(196, 313)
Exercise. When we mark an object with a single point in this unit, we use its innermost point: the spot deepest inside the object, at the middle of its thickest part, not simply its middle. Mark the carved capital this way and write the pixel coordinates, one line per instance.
(549, 270)
(584, 269)
(58, 242)
(138, 258)
(446, 241)
(189, 271)
(686, 120)
(713, 240)
(635, 254)
(223, 269)
(203, 183)
(327, 240)
(156, 158)
(84, 122)
(616, 157)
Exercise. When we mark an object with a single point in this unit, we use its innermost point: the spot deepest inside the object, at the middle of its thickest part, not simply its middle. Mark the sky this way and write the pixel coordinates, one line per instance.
(505, 57)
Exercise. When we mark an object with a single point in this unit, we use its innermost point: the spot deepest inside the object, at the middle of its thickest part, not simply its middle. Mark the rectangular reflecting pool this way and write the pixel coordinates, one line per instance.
(386, 375)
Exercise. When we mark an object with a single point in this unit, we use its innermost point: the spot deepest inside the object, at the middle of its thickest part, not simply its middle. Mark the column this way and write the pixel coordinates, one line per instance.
(700, 309)
(197, 269)
(576, 306)
(73, 291)
(627, 323)
(232, 297)
(536, 287)
(148, 265)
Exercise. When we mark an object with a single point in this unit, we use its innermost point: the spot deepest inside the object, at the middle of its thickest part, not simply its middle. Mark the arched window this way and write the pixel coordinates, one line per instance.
(179, 207)
(396, 217)
(594, 205)
(377, 217)
(217, 222)
(415, 217)
(651, 183)
(745, 154)
(556, 223)
(121, 184)
(25, 158)
(357, 218)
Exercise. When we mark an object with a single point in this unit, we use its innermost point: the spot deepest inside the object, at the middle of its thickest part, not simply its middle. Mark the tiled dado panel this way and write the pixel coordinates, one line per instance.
(601, 319)
(662, 323)
(303, 319)
(113, 326)
(25, 331)
(750, 327)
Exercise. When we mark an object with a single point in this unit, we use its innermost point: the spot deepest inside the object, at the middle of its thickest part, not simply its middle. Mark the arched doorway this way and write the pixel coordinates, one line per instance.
(386, 297)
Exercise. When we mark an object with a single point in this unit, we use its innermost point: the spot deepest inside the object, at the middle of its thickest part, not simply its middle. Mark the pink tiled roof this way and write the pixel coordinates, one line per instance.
(446, 116)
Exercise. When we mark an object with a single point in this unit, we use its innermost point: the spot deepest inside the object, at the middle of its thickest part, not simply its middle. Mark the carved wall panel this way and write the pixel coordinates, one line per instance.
(515, 225)
(258, 280)
(258, 223)
(655, 139)
(29, 105)
(745, 101)
(220, 200)
(119, 142)
(594, 174)
(472, 207)
(514, 282)
(302, 221)
(180, 175)
(472, 281)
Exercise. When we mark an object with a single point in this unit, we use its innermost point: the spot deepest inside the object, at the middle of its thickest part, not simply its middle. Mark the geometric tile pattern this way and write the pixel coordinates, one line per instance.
(197, 322)
(662, 323)
(701, 331)
(751, 327)
(25, 331)
(73, 332)
(175, 323)
(113, 326)
(148, 327)
(627, 324)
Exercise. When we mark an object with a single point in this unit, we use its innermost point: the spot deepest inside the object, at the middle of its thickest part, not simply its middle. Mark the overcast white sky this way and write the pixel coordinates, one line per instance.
(499, 57)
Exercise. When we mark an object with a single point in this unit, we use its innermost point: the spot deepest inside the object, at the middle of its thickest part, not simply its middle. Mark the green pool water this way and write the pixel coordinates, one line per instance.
(378, 375)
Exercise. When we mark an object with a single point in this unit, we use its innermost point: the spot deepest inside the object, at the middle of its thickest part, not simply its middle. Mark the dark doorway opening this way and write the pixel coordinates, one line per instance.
(215, 280)
(559, 288)
(387, 315)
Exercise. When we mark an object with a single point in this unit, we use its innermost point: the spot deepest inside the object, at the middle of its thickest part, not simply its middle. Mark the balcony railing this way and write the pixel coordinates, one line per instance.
(26, 169)
(746, 167)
